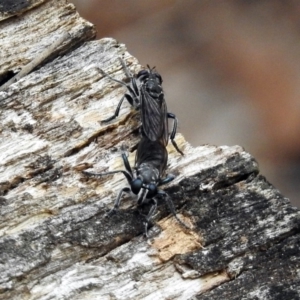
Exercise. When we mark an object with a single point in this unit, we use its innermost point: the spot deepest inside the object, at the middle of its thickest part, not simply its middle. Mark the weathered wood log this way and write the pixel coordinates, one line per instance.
(55, 242)
(25, 36)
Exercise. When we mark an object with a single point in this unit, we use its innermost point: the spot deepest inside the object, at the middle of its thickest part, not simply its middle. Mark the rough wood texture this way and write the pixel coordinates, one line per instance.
(28, 35)
(55, 241)
(14, 8)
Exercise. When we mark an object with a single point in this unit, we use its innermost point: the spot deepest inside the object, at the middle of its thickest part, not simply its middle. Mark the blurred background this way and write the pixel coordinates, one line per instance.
(231, 71)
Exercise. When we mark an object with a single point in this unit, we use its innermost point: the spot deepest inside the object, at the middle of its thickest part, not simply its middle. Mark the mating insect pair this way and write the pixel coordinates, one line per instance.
(146, 95)
(150, 165)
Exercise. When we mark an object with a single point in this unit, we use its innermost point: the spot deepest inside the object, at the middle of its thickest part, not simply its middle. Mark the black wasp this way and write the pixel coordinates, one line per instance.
(145, 93)
(150, 165)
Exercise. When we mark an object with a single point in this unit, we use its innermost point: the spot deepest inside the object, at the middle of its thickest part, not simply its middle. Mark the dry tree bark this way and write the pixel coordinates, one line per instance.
(55, 242)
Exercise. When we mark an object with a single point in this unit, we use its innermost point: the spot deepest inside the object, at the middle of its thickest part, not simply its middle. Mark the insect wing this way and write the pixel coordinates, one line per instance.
(154, 117)
(165, 127)
(151, 153)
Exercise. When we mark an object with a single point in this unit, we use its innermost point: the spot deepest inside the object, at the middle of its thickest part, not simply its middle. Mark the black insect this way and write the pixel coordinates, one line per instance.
(145, 93)
(144, 181)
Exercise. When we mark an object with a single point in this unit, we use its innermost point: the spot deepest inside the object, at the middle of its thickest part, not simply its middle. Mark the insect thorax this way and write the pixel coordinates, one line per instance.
(148, 173)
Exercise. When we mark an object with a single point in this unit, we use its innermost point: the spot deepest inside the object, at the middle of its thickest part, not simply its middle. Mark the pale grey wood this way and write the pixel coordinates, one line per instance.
(55, 242)
(36, 61)
(26, 37)
(9, 9)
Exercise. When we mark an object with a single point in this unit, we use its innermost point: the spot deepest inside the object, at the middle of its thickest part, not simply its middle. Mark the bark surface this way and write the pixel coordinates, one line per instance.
(55, 242)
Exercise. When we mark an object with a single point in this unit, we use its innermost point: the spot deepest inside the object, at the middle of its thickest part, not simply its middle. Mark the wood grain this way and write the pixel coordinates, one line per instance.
(55, 241)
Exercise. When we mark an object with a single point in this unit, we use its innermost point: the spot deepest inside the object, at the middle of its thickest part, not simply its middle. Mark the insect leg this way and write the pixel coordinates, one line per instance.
(134, 90)
(111, 78)
(172, 135)
(117, 111)
(166, 180)
(126, 164)
(128, 97)
(126, 70)
(134, 147)
(118, 200)
(171, 207)
(150, 214)
(128, 175)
